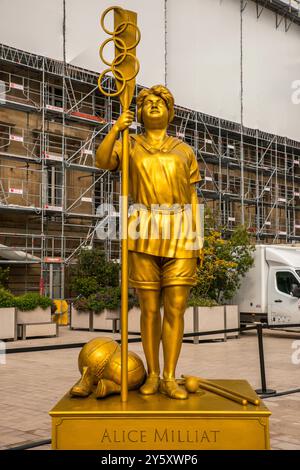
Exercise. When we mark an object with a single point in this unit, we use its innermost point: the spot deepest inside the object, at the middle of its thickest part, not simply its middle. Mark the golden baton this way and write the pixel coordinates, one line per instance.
(213, 387)
(124, 68)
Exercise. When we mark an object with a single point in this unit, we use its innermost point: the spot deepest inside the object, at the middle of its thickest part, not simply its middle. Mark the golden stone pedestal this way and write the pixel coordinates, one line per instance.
(204, 421)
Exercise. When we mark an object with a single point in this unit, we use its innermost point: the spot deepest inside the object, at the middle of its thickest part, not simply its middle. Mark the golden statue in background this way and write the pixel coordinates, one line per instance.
(163, 239)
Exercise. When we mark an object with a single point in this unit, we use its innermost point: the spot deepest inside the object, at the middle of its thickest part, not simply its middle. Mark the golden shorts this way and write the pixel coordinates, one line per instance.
(154, 272)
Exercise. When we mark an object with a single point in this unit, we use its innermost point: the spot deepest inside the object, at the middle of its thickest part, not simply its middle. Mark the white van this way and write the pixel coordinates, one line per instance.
(270, 291)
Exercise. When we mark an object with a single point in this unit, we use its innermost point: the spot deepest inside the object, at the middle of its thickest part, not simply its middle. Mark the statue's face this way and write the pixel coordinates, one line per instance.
(155, 113)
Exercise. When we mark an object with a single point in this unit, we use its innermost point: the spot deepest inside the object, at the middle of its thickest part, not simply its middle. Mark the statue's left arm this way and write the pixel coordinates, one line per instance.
(196, 215)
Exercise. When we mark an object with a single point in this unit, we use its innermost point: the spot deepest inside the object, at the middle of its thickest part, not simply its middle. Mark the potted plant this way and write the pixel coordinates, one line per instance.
(7, 315)
(225, 261)
(203, 315)
(81, 316)
(105, 305)
(95, 282)
(100, 309)
(33, 308)
(27, 309)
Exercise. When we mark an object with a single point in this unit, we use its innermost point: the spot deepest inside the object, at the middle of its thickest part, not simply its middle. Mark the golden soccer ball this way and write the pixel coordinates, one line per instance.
(95, 355)
(136, 370)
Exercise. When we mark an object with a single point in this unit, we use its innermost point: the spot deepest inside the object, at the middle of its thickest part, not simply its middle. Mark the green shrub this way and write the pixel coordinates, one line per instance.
(81, 304)
(7, 299)
(226, 260)
(31, 300)
(93, 271)
(85, 286)
(25, 302)
(195, 301)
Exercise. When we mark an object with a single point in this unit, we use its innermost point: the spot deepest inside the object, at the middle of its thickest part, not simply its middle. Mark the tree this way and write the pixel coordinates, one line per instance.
(225, 263)
(93, 271)
(95, 281)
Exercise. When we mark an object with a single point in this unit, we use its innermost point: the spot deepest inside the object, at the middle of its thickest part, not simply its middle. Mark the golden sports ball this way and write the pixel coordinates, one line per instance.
(95, 354)
(192, 384)
(136, 370)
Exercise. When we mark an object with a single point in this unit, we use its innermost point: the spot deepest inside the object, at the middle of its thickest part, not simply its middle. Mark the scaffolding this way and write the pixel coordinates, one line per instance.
(261, 190)
(287, 11)
(52, 120)
(54, 201)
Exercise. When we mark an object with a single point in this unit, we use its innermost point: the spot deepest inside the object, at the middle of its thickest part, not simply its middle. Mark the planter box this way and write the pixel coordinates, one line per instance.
(37, 315)
(105, 320)
(232, 320)
(202, 319)
(205, 319)
(93, 321)
(195, 319)
(134, 316)
(212, 318)
(8, 323)
(81, 320)
(134, 319)
(33, 330)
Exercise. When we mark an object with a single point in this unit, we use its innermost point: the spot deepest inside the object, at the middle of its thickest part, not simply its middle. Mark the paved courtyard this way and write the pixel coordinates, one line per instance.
(32, 382)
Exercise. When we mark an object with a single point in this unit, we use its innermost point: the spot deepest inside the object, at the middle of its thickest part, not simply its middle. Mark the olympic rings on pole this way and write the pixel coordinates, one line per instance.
(124, 54)
(104, 15)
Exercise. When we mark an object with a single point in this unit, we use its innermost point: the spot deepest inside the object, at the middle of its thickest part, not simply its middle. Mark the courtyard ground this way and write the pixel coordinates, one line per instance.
(32, 382)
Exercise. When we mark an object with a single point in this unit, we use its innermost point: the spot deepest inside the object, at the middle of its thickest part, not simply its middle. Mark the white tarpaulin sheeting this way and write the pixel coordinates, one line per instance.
(204, 56)
(33, 25)
(16, 255)
(85, 35)
(271, 66)
(37, 26)
(203, 52)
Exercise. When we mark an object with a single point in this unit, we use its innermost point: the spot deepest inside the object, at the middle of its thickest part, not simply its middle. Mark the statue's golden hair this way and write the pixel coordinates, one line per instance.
(158, 90)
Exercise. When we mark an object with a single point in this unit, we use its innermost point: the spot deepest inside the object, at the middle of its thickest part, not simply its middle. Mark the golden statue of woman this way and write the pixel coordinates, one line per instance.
(163, 255)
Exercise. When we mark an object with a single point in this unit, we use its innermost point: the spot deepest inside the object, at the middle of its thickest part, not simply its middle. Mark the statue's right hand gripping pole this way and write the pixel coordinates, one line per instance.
(124, 68)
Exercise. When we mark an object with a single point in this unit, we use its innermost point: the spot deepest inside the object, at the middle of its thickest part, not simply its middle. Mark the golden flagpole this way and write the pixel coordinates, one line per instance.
(124, 68)
(124, 259)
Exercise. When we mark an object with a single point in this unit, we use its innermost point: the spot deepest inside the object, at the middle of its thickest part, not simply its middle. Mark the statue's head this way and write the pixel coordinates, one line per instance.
(155, 107)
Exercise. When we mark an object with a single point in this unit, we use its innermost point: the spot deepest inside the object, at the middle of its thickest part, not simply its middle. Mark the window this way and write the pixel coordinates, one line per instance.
(55, 95)
(55, 182)
(285, 281)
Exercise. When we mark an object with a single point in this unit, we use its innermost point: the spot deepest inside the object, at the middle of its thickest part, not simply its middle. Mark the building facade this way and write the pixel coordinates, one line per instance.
(54, 201)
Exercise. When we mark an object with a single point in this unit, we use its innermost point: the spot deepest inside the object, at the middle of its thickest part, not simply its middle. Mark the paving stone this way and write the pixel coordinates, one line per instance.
(32, 382)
